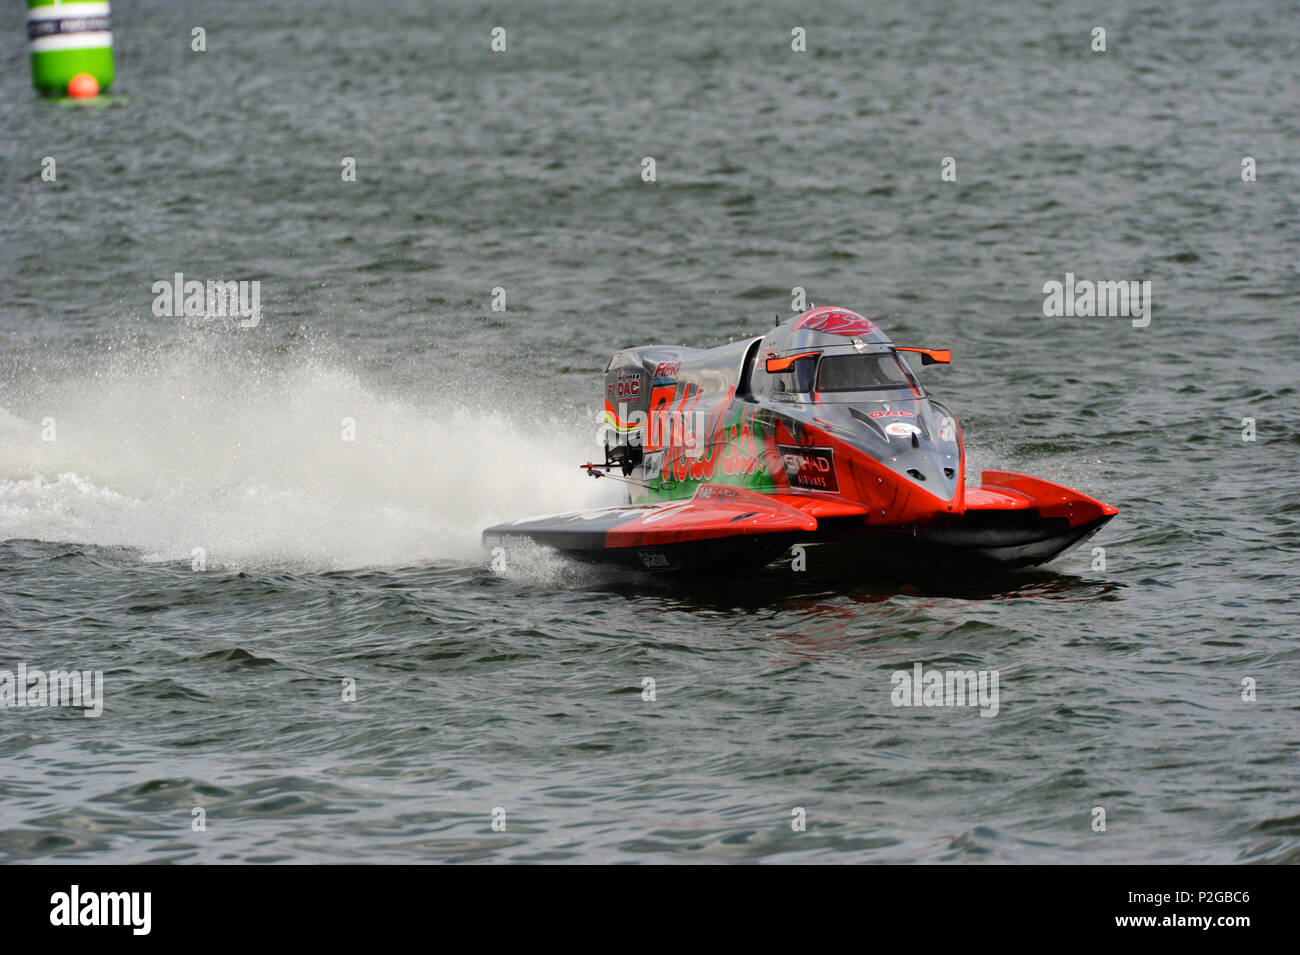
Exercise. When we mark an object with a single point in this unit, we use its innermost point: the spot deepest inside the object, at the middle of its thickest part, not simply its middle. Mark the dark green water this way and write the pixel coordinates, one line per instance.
(330, 560)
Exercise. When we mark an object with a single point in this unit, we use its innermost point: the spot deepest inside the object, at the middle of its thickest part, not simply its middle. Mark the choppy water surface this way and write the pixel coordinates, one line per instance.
(330, 560)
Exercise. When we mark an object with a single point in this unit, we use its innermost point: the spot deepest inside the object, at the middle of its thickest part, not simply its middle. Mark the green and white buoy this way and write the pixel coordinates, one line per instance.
(71, 45)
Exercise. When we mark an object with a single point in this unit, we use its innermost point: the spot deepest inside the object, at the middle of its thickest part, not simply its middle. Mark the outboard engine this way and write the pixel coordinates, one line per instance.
(627, 406)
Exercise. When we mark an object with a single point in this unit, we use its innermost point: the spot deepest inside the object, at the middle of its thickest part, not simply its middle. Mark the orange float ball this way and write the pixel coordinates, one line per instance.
(83, 86)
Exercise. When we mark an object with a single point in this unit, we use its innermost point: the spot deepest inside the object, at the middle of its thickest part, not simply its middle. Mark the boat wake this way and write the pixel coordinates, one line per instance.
(297, 463)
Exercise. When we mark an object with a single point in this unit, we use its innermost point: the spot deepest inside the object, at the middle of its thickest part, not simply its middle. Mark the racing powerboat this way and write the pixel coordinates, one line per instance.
(817, 433)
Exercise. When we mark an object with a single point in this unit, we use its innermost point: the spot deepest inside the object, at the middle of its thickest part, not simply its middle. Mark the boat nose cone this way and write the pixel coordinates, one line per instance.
(932, 473)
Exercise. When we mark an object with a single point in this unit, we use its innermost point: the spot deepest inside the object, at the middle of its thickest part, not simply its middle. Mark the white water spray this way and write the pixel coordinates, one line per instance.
(254, 466)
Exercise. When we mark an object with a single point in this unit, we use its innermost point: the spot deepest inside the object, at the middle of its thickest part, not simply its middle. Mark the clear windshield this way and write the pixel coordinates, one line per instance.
(880, 371)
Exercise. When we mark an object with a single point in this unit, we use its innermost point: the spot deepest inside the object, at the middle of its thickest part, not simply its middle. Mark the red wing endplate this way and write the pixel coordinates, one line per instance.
(1017, 520)
(718, 523)
(1009, 491)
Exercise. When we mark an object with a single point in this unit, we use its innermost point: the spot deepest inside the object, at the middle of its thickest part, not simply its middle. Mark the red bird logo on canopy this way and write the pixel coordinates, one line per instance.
(835, 321)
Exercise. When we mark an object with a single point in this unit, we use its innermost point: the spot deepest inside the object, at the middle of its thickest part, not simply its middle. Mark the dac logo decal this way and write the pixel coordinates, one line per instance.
(628, 385)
